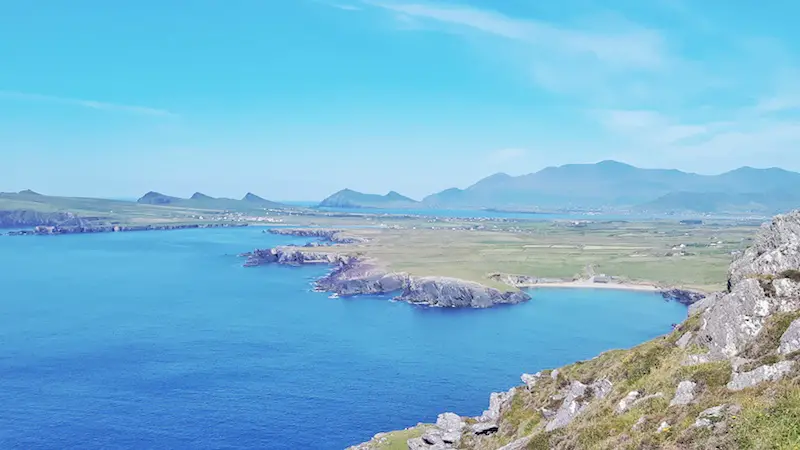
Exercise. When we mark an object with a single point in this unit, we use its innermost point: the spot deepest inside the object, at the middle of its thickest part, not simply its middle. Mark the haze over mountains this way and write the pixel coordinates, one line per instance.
(203, 201)
(607, 185)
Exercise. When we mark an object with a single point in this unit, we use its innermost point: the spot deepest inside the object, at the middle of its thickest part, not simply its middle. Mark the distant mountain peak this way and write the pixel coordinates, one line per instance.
(250, 197)
(348, 198)
(200, 196)
(156, 198)
(29, 192)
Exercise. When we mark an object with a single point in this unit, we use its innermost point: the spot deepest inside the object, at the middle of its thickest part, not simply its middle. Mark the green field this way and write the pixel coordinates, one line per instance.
(661, 252)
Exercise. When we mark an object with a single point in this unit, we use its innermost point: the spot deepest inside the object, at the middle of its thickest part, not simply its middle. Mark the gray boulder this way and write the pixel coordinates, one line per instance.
(684, 341)
(684, 394)
(790, 341)
(772, 372)
(710, 416)
(702, 305)
(450, 422)
(570, 407)
(531, 380)
(497, 402)
(485, 428)
(735, 320)
(601, 388)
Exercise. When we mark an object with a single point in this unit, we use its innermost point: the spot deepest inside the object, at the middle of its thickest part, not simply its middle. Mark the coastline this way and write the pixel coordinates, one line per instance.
(588, 284)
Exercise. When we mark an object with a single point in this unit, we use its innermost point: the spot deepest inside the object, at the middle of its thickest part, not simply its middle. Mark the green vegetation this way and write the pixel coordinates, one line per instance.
(772, 421)
(791, 274)
(769, 338)
(767, 417)
(634, 251)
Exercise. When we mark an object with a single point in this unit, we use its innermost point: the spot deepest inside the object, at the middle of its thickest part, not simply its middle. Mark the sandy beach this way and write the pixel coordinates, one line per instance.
(588, 284)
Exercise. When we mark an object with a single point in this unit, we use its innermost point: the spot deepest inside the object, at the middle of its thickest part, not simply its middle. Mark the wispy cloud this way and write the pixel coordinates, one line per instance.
(624, 43)
(92, 104)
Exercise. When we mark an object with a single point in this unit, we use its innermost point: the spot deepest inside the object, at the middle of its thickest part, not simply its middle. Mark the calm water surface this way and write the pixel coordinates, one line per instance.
(163, 340)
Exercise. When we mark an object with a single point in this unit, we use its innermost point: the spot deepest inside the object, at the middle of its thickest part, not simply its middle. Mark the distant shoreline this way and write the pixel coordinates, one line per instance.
(586, 284)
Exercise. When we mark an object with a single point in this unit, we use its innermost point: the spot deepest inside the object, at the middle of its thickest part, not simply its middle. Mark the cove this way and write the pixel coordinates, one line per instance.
(163, 340)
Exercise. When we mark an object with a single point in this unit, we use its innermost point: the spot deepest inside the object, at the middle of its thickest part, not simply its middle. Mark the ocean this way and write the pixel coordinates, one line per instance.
(163, 340)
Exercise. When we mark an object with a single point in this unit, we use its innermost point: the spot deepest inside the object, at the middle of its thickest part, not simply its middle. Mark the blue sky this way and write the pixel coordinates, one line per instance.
(295, 99)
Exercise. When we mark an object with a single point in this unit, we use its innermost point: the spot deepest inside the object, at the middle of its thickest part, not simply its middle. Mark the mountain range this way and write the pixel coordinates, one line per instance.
(607, 185)
(203, 201)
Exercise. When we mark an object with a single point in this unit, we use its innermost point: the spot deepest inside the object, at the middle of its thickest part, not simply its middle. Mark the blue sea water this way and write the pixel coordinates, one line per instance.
(163, 340)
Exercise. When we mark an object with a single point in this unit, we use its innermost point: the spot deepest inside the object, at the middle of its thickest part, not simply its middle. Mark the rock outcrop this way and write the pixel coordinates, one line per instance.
(760, 285)
(684, 394)
(757, 376)
(323, 234)
(352, 276)
(683, 296)
(455, 293)
(790, 341)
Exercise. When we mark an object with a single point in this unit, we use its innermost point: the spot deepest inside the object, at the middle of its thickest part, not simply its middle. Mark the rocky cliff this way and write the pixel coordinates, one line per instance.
(352, 275)
(726, 378)
(29, 218)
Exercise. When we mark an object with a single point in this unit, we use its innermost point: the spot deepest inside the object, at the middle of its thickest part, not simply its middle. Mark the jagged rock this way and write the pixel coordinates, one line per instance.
(455, 293)
(570, 407)
(772, 372)
(324, 234)
(684, 341)
(790, 341)
(757, 289)
(531, 380)
(710, 416)
(627, 401)
(735, 320)
(639, 424)
(684, 394)
(683, 296)
(451, 437)
(705, 303)
(497, 402)
(601, 388)
(433, 437)
(664, 427)
(554, 374)
(775, 249)
(485, 428)
(788, 292)
(519, 444)
(450, 422)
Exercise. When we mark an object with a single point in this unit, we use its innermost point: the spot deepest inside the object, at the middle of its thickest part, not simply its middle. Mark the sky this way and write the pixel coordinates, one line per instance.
(296, 99)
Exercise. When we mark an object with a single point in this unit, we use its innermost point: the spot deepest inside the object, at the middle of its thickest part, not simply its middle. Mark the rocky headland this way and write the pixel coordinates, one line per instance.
(728, 377)
(327, 235)
(44, 230)
(355, 275)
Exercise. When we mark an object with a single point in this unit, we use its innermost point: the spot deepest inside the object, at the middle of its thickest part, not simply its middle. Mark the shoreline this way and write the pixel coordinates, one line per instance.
(584, 284)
